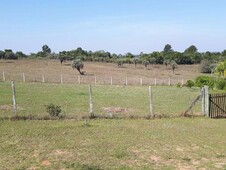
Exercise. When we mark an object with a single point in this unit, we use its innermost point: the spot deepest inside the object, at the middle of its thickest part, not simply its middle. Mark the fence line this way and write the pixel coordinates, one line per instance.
(93, 79)
(124, 101)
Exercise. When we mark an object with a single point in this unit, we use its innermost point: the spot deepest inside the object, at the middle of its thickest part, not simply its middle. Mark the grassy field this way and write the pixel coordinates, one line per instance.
(52, 70)
(121, 101)
(179, 143)
(168, 143)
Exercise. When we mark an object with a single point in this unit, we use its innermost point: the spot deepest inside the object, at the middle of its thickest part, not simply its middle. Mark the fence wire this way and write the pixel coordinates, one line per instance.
(108, 100)
(87, 79)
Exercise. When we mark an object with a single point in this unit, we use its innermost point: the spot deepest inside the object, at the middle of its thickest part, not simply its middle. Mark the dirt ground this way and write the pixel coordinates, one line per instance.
(51, 70)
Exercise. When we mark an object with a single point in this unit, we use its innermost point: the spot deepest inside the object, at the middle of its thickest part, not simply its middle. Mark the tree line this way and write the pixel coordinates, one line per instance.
(167, 55)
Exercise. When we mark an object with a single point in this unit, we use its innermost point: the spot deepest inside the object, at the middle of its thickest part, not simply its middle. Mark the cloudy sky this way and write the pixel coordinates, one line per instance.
(118, 26)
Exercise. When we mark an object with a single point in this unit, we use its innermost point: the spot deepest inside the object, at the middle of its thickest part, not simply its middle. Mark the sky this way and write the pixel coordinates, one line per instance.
(117, 26)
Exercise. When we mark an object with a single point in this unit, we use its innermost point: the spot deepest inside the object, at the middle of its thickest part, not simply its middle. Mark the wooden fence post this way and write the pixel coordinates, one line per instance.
(151, 103)
(126, 81)
(14, 97)
(90, 101)
(79, 80)
(182, 82)
(155, 82)
(169, 82)
(61, 79)
(24, 77)
(111, 81)
(3, 75)
(206, 95)
(203, 100)
(95, 80)
(141, 81)
(43, 78)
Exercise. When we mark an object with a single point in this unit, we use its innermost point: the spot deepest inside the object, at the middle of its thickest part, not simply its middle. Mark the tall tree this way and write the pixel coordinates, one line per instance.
(9, 54)
(173, 65)
(191, 49)
(2, 55)
(78, 64)
(167, 48)
(20, 54)
(45, 49)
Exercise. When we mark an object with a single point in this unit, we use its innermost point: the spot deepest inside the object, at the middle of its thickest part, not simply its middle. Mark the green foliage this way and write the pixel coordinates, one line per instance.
(206, 66)
(179, 85)
(166, 62)
(46, 49)
(9, 55)
(167, 48)
(221, 84)
(146, 63)
(53, 110)
(201, 81)
(190, 83)
(220, 68)
(20, 54)
(191, 49)
(120, 62)
(173, 65)
(78, 64)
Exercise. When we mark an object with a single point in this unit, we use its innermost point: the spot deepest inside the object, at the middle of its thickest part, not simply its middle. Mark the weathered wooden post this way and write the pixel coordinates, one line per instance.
(206, 95)
(126, 81)
(169, 82)
(95, 80)
(155, 82)
(14, 97)
(61, 79)
(182, 82)
(3, 75)
(43, 78)
(203, 100)
(141, 81)
(79, 80)
(111, 81)
(151, 103)
(90, 101)
(24, 77)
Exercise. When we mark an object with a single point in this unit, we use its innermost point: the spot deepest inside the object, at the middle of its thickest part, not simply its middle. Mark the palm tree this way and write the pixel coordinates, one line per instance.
(78, 64)
(173, 65)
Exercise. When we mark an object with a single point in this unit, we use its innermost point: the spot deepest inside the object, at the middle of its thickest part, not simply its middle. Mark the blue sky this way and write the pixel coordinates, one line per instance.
(118, 26)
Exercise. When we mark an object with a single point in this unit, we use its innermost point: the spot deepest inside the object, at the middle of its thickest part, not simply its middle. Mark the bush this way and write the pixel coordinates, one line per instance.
(221, 84)
(206, 66)
(179, 85)
(201, 81)
(120, 63)
(189, 83)
(53, 110)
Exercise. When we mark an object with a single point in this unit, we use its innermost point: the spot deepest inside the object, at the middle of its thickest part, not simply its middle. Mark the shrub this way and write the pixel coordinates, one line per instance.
(206, 66)
(189, 83)
(221, 84)
(201, 81)
(119, 63)
(53, 110)
(179, 85)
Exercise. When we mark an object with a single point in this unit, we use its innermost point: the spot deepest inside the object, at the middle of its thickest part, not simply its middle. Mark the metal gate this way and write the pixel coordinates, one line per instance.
(217, 105)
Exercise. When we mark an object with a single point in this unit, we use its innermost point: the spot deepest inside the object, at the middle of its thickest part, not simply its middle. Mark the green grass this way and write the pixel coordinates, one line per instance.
(176, 143)
(122, 101)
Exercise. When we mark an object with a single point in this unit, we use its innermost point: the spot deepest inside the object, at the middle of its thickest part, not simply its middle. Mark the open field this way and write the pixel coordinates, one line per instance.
(52, 70)
(168, 143)
(180, 143)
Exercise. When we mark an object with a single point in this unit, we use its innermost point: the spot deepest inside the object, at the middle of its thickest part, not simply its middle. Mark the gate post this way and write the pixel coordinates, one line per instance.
(203, 100)
(206, 100)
